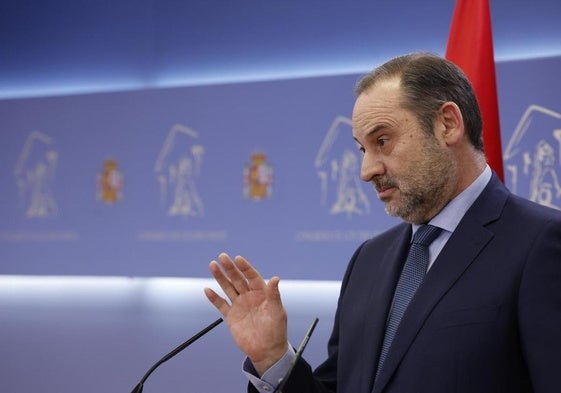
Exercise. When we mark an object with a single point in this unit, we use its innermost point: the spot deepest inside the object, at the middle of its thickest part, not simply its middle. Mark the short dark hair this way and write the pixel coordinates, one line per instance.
(428, 81)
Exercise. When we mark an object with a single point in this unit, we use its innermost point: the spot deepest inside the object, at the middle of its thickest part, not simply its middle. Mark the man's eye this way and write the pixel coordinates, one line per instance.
(382, 142)
(361, 149)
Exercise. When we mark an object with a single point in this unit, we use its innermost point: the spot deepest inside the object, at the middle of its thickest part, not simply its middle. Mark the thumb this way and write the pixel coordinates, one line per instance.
(273, 291)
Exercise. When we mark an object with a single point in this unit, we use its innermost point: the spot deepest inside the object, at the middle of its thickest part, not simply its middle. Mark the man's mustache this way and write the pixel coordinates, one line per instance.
(383, 183)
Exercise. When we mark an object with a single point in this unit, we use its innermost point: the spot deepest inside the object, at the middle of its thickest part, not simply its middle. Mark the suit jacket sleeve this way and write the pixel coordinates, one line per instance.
(539, 308)
(324, 379)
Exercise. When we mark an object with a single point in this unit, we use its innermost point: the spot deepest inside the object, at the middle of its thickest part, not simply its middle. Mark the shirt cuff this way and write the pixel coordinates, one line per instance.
(271, 378)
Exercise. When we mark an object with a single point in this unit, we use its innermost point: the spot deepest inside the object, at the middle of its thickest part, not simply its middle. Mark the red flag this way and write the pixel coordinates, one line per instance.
(470, 46)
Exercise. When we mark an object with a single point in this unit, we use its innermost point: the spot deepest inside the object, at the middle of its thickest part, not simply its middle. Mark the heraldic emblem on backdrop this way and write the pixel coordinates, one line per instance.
(258, 178)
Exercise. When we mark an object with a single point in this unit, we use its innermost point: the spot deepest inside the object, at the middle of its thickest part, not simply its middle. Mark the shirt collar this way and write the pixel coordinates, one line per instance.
(449, 217)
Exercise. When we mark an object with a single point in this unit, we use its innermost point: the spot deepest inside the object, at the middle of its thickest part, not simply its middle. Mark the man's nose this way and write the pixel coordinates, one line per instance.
(371, 168)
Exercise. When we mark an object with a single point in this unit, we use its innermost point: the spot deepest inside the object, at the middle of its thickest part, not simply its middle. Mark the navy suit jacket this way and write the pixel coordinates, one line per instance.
(487, 317)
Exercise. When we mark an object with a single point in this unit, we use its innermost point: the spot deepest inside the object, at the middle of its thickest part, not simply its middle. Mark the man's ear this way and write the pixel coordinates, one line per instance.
(451, 123)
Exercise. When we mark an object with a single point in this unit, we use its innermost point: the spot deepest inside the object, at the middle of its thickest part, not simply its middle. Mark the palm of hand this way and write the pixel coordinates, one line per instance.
(255, 322)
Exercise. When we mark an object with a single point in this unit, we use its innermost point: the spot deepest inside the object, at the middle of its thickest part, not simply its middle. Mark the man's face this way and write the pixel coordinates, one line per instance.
(413, 173)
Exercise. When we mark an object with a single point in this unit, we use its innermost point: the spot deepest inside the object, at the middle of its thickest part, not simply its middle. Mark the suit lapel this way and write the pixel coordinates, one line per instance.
(386, 274)
(467, 241)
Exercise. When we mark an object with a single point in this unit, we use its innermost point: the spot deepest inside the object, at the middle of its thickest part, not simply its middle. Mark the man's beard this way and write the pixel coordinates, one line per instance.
(426, 186)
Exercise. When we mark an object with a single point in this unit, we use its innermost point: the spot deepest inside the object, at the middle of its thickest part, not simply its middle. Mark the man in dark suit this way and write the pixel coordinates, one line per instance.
(486, 316)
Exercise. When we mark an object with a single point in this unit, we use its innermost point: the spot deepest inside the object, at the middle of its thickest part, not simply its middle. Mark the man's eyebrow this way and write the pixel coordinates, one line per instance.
(374, 130)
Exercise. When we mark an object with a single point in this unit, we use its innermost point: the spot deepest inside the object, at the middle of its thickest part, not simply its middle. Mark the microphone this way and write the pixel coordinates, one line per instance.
(138, 388)
(297, 356)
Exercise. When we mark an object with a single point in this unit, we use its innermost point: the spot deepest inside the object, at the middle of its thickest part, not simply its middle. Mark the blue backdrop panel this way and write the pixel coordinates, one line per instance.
(530, 101)
(158, 182)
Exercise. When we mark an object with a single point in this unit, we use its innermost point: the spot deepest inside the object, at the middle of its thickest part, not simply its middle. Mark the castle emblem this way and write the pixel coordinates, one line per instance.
(35, 174)
(177, 169)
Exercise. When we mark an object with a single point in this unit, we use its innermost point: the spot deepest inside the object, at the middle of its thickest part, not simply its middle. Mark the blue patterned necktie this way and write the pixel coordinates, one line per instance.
(411, 277)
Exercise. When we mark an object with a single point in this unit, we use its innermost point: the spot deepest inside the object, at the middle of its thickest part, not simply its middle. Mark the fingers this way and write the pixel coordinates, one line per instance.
(221, 305)
(235, 277)
(253, 279)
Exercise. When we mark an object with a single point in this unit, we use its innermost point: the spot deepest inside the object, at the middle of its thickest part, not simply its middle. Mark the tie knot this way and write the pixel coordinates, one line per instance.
(426, 234)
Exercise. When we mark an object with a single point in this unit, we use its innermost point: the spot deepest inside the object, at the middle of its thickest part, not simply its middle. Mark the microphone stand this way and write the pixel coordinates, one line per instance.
(297, 356)
(138, 388)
